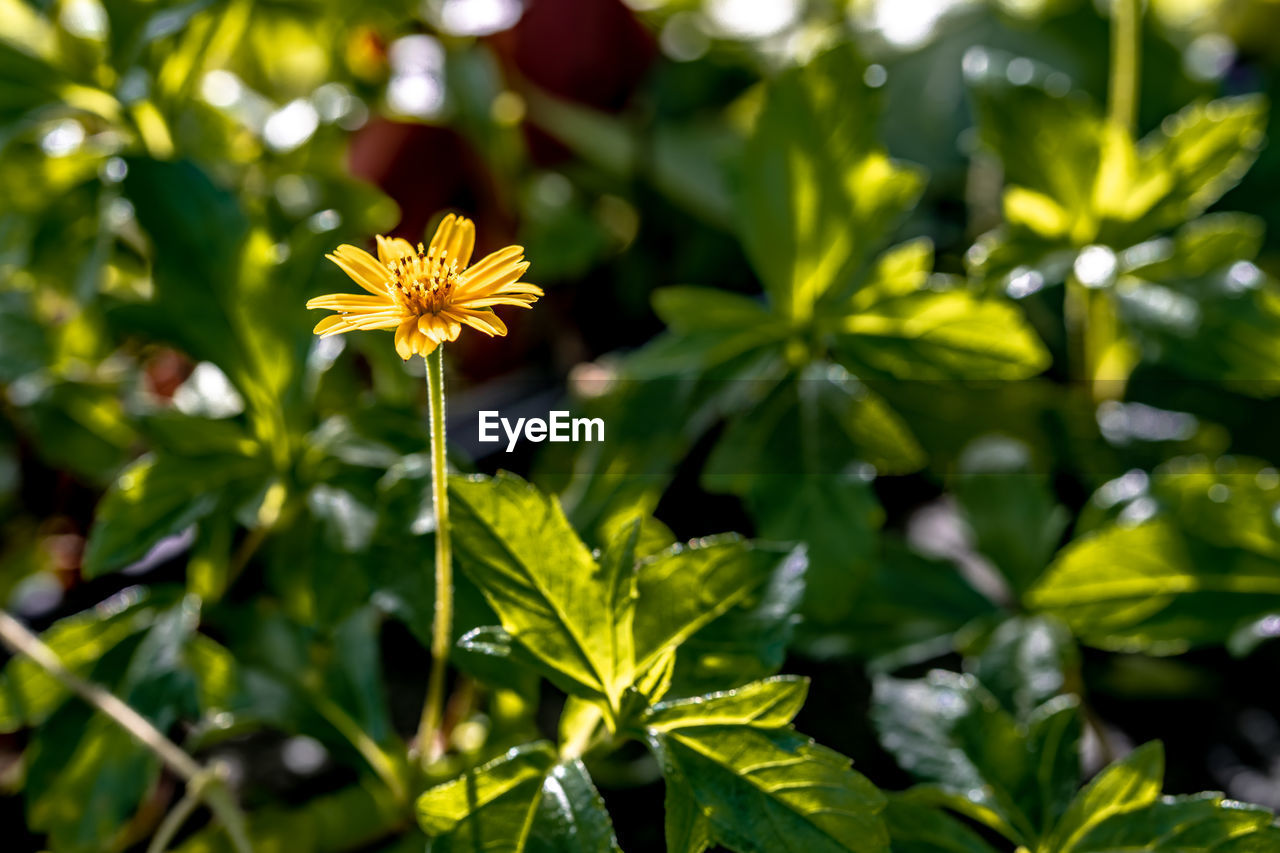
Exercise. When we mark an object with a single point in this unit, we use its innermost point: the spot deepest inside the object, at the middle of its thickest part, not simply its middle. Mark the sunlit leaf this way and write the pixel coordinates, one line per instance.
(1127, 785)
(768, 704)
(542, 581)
(819, 192)
(766, 790)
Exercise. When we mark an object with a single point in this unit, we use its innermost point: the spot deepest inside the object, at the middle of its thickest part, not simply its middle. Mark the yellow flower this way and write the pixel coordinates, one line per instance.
(427, 294)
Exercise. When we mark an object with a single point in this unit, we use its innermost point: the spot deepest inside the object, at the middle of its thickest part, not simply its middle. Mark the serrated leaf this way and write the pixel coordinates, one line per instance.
(516, 545)
(687, 586)
(522, 801)
(1199, 822)
(769, 704)
(750, 640)
(819, 193)
(491, 807)
(571, 816)
(768, 790)
(947, 730)
(1125, 786)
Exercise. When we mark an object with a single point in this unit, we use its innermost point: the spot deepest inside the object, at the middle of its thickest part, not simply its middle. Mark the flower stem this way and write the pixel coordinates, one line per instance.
(430, 739)
(1092, 325)
(1126, 50)
(205, 783)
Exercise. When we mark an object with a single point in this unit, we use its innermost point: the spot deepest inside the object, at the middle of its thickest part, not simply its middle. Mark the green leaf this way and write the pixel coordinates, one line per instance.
(355, 678)
(818, 192)
(1125, 786)
(768, 790)
(1016, 521)
(1025, 662)
(915, 828)
(686, 827)
(1151, 588)
(768, 704)
(516, 545)
(1200, 822)
(941, 334)
(779, 458)
(1198, 248)
(1048, 146)
(571, 816)
(1016, 775)
(155, 497)
(491, 807)
(909, 605)
(750, 640)
(522, 801)
(688, 310)
(94, 793)
(946, 729)
(687, 586)
(493, 654)
(817, 415)
(348, 819)
(28, 695)
(220, 292)
(1206, 148)
(26, 347)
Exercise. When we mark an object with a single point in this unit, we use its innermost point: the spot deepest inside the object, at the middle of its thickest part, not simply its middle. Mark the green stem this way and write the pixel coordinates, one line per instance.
(176, 817)
(1126, 49)
(1090, 313)
(203, 782)
(430, 740)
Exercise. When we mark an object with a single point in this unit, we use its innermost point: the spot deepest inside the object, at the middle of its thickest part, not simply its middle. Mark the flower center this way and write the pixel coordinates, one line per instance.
(423, 282)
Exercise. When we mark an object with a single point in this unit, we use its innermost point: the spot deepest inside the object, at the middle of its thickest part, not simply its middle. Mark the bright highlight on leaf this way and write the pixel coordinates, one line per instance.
(427, 294)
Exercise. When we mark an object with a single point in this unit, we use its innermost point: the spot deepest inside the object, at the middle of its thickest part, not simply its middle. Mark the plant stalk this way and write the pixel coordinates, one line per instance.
(1126, 52)
(430, 739)
(202, 782)
(1091, 313)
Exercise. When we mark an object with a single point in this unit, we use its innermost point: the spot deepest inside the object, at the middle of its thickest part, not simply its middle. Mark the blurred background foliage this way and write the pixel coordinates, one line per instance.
(880, 355)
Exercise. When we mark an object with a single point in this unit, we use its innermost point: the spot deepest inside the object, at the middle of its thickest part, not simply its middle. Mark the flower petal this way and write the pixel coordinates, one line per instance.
(485, 321)
(492, 267)
(362, 322)
(444, 233)
(405, 334)
(461, 242)
(393, 248)
(422, 344)
(488, 301)
(496, 279)
(334, 324)
(439, 327)
(494, 258)
(350, 302)
(363, 268)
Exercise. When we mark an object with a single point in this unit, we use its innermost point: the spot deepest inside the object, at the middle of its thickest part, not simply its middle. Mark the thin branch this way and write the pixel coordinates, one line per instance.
(200, 779)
